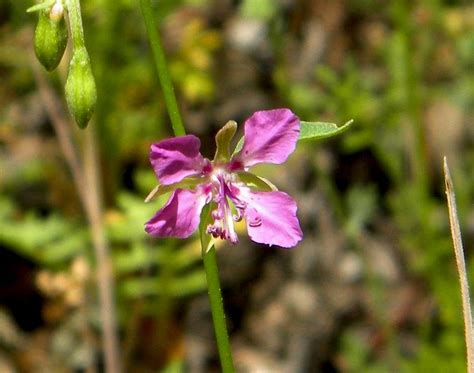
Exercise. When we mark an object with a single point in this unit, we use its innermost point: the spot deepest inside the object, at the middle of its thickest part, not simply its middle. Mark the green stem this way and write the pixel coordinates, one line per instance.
(209, 257)
(75, 23)
(218, 316)
(162, 69)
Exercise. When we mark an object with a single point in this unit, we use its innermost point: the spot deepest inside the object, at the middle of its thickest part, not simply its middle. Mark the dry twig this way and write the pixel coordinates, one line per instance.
(461, 265)
(86, 181)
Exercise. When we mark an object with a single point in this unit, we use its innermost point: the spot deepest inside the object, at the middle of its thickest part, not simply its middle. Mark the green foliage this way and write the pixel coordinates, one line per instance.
(192, 64)
(263, 9)
(423, 58)
(49, 241)
(139, 256)
(321, 130)
(361, 208)
(387, 91)
(356, 354)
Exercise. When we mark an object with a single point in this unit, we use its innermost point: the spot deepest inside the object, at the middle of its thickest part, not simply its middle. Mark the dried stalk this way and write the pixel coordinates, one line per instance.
(86, 181)
(61, 127)
(461, 265)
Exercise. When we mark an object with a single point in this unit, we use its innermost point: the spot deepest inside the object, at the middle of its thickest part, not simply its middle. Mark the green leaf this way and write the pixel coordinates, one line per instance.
(67, 247)
(187, 256)
(138, 258)
(262, 10)
(207, 241)
(127, 225)
(49, 241)
(321, 130)
(184, 285)
(174, 366)
(311, 131)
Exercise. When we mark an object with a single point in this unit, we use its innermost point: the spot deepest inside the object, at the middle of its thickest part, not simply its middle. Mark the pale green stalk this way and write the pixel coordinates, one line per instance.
(93, 207)
(461, 265)
(75, 23)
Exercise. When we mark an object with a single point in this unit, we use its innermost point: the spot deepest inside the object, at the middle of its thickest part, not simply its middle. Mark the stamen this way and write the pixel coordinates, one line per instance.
(233, 238)
(214, 230)
(238, 216)
(216, 214)
(224, 191)
(239, 204)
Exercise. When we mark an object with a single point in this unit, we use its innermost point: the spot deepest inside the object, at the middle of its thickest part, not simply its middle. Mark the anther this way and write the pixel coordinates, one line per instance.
(216, 215)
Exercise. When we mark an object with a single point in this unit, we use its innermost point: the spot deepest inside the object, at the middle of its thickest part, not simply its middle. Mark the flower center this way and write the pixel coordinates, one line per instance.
(225, 190)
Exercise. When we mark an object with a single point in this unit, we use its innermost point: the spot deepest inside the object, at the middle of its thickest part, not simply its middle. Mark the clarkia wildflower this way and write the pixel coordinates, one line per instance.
(226, 183)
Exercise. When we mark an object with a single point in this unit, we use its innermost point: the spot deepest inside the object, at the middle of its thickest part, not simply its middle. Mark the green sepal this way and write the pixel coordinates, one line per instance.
(223, 140)
(239, 146)
(186, 183)
(257, 182)
(50, 39)
(207, 240)
(81, 92)
(44, 5)
(321, 130)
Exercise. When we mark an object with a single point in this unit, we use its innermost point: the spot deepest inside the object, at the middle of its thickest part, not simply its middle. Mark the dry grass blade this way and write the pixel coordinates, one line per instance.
(461, 264)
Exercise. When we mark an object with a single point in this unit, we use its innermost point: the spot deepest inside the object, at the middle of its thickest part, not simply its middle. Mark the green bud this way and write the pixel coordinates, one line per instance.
(81, 94)
(51, 36)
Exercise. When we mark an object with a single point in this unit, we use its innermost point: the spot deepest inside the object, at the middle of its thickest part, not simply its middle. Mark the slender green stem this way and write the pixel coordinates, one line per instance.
(75, 23)
(162, 69)
(209, 257)
(218, 316)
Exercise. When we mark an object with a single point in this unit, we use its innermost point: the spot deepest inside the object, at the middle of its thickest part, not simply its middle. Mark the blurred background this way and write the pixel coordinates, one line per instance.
(373, 285)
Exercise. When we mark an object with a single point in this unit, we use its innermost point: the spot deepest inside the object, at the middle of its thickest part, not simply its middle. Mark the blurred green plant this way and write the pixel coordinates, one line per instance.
(192, 63)
(425, 54)
(388, 96)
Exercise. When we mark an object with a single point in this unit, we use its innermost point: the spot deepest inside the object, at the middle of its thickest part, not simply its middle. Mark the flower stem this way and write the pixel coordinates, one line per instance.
(218, 316)
(209, 257)
(75, 23)
(162, 69)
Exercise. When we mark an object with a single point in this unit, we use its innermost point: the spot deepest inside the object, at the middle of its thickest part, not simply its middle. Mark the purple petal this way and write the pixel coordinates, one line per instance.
(269, 136)
(180, 216)
(174, 159)
(271, 218)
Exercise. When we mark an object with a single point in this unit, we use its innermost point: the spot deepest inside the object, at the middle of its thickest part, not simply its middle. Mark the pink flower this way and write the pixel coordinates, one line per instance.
(225, 183)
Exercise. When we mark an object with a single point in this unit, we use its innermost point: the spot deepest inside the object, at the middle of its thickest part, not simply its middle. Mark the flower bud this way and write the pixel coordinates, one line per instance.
(81, 94)
(51, 37)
